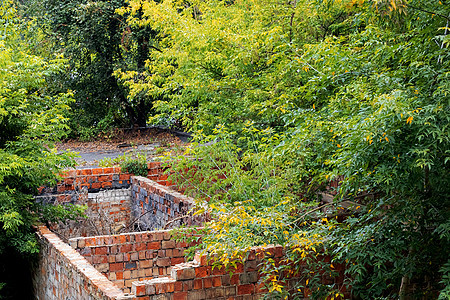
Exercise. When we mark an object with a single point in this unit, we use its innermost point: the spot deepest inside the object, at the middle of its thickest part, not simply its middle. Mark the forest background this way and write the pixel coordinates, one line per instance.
(296, 101)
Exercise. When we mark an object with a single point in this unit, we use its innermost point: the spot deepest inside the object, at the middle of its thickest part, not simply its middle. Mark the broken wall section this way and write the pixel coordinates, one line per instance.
(155, 206)
(62, 273)
(132, 257)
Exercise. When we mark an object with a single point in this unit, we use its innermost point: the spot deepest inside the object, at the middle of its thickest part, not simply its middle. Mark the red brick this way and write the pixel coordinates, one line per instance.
(154, 245)
(217, 281)
(97, 171)
(140, 246)
(180, 295)
(197, 284)
(90, 242)
(218, 270)
(124, 177)
(101, 250)
(126, 248)
(106, 184)
(163, 262)
(105, 178)
(202, 272)
(234, 279)
(178, 286)
(207, 282)
(246, 289)
(108, 170)
(116, 267)
(119, 275)
(86, 172)
(140, 290)
(238, 269)
(176, 260)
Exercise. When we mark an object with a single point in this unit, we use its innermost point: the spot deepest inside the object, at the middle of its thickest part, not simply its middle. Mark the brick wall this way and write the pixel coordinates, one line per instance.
(108, 212)
(62, 273)
(134, 256)
(94, 180)
(155, 205)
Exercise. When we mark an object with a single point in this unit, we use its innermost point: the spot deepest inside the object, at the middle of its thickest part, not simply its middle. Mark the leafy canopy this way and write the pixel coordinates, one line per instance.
(32, 117)
(305, 100)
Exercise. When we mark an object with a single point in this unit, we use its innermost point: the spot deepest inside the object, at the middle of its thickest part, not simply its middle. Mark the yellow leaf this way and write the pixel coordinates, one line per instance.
(339, 146)
(409, 120)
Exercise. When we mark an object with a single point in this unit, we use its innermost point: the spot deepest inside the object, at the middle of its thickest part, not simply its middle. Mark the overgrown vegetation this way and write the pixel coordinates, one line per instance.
(321, 126)
(32, 117)
(295, 98)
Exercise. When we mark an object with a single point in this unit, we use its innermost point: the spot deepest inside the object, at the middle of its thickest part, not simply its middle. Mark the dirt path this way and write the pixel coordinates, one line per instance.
(151, 142)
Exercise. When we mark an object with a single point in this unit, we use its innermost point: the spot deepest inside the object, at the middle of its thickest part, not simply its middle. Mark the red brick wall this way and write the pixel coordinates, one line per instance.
(155, 205)
(130, 257)
(62, 273)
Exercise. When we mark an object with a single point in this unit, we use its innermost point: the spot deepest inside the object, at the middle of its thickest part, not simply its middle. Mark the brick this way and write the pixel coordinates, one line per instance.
(249, 277)
(246, 289)
(230, 291)
(198, 284)
(196, 295)
(180, 295)
(168, 244)
(140, 246)
(215, 293)
(134, 256)
(119, 275)
(126, 248)
(176, 260)
(183, 274)
(202, 272)
(178, 286)
(207, 282)
(130, 265)
(138, 289)
(143, 264)
(188, 285)
(163, 262)
(85, 172)
(97, 171)
(216, 281)
(116, 267)
(154, 245)
(234, 279)
(101, 250)
(106, 184)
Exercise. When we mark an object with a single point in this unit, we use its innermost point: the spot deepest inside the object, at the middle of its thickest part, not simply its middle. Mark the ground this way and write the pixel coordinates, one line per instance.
(152, 142)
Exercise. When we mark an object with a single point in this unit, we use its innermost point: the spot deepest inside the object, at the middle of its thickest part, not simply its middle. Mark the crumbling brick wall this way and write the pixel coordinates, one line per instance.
(62, 273)
(154, 206)
(133, 256)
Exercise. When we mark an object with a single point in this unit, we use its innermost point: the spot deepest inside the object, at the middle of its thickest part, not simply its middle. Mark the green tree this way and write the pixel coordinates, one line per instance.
(97, 43)
(307, 98)
(32, 117)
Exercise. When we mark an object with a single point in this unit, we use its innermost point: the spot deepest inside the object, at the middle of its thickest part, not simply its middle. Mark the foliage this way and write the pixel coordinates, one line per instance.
(294, 100)
(136, 165)
(32, 117)
(100, 47)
